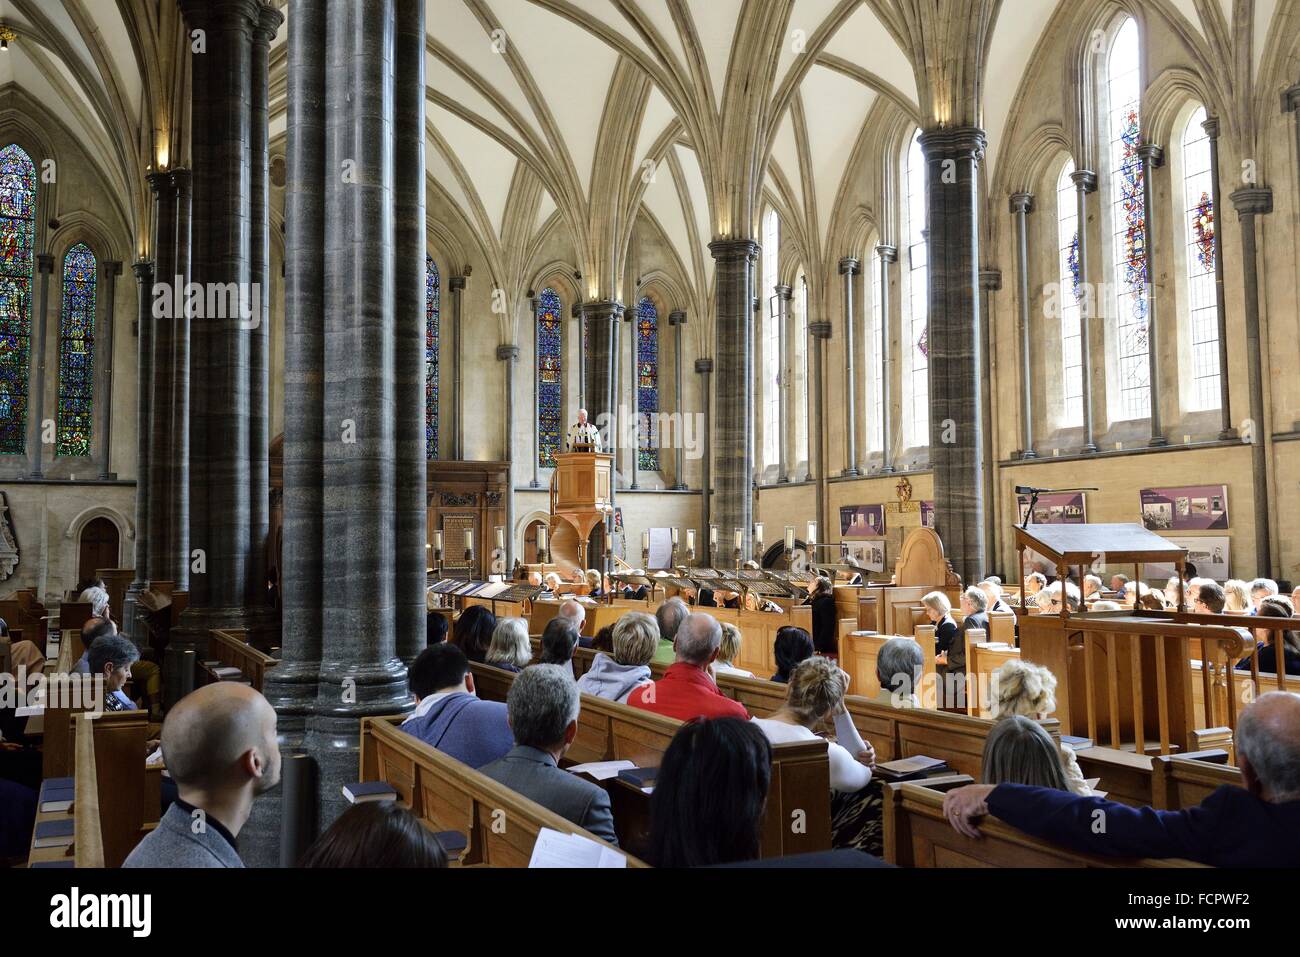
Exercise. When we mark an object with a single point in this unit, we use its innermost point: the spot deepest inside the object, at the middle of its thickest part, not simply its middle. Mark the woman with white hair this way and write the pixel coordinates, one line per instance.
(510, 648)
(1023, 688)
(939, 610)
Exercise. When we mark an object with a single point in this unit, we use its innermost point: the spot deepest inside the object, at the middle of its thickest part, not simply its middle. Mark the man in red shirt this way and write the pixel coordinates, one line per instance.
(687, 690)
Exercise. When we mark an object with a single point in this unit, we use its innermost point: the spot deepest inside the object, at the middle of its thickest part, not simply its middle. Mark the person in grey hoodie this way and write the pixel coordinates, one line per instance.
(636, 636)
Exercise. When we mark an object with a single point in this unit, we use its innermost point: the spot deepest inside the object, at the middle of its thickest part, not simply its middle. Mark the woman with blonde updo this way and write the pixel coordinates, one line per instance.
(1023, 688)
(1236, 597)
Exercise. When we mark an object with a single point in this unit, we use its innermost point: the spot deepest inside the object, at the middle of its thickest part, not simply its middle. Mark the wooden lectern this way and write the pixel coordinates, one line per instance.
(582, 493)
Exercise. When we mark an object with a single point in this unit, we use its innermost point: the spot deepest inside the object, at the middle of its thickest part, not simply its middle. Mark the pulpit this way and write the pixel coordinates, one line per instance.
(580, 493)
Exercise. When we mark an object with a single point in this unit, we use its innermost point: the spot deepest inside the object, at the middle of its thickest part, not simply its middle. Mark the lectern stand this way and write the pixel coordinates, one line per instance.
(582, 493)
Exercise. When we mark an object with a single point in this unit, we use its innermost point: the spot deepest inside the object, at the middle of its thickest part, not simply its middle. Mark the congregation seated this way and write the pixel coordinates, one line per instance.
(791, 646)
(221, 750)
(1050, 600)
(1208, 598)
(592, 579)
(756, 602)
(1118, 583)
(899, 665)
(1035, 582)
(374, 834)
(992, 589)
(1018, 751)
(96, 595)
(669, 616)
(544, 705)
(1257, 825)
(687, 690)
(825, 617)
(1023, 688)
(728, 651)
(552, 582)
(974, 604)
(1276, 606)
(1260, 589)
(815, 694)
(472, 632)
(1236, 597)
(559, 640)
(435, 626)
(112, 656)
(92, 629)
(510, 649)
(710, 795)
(614, 675)
(1091, 588)
(448, 715)
(939, 610)
(571, 610)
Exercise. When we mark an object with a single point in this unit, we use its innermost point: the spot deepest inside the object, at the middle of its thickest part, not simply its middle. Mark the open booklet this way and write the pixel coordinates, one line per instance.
(557, 849)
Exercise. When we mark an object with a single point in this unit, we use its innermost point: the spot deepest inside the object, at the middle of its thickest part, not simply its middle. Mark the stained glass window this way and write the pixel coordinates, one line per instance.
(76, 353)
(1068, 295)
(917, 408)
(17, 243)
(1129, 217)
(1203, 306)
(550, 390)
(647, 384)
(432, 316)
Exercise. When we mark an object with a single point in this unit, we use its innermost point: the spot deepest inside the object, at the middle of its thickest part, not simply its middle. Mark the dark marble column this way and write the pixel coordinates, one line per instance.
(602, 318)
(820, 333)
(1085, 184)
(1227, 432)
(704, 369)
(888, 255)
(112, 269)
(732, 280)
(509, 354)
(36, 405)
(1153, 157)
(143, 270)
(1250, 203)
(849, 269)
(1021, 204)
(677, 319)
(163, 430)
(784, 296)
(178, 542)
(616, 399)
(580, 325)
(457, 286)
(956, 440)
(990, 282)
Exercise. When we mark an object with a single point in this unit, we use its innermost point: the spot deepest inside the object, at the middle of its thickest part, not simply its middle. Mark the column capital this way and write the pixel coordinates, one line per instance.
(204, 13)
(181, 179)
(961, 142)
(703, 366)
(850, 266)
(268, 23)
(991, 278)
(1085, 180)
(1153, 154)
(1291, 99)
(887, 253)
(44, 262)
(1253, 201)
(507, 352)
(158, 180)
(785, 292)
(456, 283)
(1211, 127)
(112, 267)
(758, 305)
(1021, 203)
(677, 318)
(605, 310)
(820, 329)
(578, 310)
(733, 250)
(143, 269)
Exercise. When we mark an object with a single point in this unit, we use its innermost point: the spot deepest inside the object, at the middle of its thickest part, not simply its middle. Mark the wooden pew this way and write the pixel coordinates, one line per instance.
(918, 835)
(233, 651)
(858, 655)
(1182, 781)
(24, 611)
(74, 614)
(500, 825)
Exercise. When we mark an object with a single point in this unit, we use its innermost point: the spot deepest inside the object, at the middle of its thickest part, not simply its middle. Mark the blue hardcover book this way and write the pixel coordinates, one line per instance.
(57, 784)
(453, 842)
(54, 833)
(640, 777)
(363, 791)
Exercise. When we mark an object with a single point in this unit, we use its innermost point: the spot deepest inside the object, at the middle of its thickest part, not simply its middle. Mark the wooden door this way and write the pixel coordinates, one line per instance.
(99, 548)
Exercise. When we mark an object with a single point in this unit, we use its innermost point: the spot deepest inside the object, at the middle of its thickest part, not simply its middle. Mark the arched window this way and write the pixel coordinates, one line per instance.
(76, 353)
(647, 384)
(1202, 246)
(432, 308)
(17, 244)
(873, 352)
(917, 408)
(771, 397)
(1129, 221)
(1067, 233)
(550, 394)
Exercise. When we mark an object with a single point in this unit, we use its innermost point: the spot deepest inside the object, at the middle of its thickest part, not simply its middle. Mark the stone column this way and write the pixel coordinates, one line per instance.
(677, 319)
(457, 286)
(634, 378)
(784, 296)
(849, 269)
(704, 369)
(1153, 157)
(953, 157)
(535, 308)
(887, 255)
(580, 323)
(143, 270)
(990, 282)
(616, 400)
(1250, 203)
(36, 406)
(733, 262)
(1228, 431)
(163, 430)
(509, 354)
(112, 269)
(1085, 183)
(1021, 204)
(820, 332)
(1290, 104)
(601, 391)
(178, 501)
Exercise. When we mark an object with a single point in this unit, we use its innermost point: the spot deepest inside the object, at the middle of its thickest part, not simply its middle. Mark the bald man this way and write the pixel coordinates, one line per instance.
(220, 746)
(1256, 824)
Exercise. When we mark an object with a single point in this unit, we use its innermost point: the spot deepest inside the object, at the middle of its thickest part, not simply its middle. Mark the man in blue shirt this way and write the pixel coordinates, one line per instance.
(448, 715)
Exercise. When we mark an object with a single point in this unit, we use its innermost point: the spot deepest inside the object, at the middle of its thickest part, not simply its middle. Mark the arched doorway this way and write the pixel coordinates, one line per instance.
(530, 542)
(98, 548)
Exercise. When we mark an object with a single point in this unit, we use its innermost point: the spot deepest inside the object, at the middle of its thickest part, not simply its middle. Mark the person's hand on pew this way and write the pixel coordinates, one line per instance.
(941, 658)
(962, 806)
(867, 757)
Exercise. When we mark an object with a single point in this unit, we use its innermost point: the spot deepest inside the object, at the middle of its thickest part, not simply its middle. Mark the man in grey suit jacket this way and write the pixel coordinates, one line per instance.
(220, 746)
(543, 709)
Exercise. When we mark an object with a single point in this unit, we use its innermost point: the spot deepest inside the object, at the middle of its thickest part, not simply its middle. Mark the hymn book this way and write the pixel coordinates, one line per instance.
(906, 769)
(557, 849)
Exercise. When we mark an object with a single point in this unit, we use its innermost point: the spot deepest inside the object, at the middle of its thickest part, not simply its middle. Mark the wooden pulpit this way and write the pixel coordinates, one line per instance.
(582, 493)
